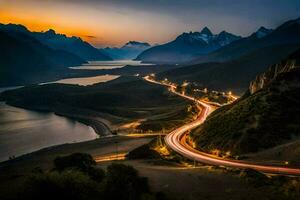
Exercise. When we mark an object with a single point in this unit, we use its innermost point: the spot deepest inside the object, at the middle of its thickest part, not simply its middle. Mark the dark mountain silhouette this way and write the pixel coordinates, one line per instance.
(74, 45)
(24, 60)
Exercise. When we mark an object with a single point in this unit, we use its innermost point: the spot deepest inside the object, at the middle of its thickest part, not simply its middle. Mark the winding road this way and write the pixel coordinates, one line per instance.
(176, 140)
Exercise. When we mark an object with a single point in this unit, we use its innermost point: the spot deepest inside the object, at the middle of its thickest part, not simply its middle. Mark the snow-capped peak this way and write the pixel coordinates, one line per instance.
(206, 36)
(136, 45)
(206, 31)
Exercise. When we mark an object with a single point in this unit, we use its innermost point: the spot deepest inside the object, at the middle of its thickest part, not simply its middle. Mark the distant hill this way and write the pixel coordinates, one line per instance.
(187, 46)
(233, 75)
(74, 45)
(25, 60)
(127, 52)
(265, 117)
(286, 34)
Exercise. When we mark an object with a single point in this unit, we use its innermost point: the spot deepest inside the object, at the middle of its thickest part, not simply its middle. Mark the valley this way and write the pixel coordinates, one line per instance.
(160, 100)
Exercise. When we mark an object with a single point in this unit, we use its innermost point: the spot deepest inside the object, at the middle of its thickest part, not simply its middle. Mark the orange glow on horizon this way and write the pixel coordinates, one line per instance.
(98, 24)
(43, 24)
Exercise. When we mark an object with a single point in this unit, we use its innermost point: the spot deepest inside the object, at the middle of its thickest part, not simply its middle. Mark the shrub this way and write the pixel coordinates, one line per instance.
(79, 161)
(123, 182)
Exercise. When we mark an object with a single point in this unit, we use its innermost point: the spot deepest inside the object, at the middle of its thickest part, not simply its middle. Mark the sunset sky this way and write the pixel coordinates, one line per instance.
(114, 22)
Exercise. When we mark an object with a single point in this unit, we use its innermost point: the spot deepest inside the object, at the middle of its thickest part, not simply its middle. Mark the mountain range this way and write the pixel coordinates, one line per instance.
(32, 57)
(187, 46)
(74, 45)
(233, 66)
(129, 51)
(287, 33)
(264, 118)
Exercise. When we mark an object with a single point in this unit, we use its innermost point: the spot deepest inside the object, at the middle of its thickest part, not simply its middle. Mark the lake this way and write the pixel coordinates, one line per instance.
(87, 80)
(23, 131)
(96, 65)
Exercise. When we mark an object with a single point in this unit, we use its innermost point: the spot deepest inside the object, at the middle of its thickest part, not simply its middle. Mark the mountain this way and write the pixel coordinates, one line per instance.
(74, 45)
(187, 46)
(25, 60)
(127, 52)
(265, 117)
(287, 33)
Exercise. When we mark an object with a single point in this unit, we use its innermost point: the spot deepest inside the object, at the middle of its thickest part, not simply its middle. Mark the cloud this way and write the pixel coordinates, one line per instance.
(89, 36)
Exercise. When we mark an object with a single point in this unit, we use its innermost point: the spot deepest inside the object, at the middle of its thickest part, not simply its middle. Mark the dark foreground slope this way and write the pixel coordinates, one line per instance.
(266, 116)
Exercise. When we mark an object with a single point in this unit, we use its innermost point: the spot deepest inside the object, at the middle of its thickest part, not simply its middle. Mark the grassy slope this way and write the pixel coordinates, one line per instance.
(263, 120)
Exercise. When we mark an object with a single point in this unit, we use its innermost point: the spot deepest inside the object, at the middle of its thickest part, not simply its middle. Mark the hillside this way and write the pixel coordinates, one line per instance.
(233, 75)
(187, 46)
(265, 117)
(25, 60)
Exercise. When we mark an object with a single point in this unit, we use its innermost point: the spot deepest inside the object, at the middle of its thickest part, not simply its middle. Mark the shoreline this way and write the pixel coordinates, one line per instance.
(89, 146)
(100, 128)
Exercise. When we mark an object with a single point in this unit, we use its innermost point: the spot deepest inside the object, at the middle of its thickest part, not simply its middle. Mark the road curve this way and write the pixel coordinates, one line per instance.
(176, 140)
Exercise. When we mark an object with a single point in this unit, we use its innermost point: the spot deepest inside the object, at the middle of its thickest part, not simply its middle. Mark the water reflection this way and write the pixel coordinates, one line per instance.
(23, 131)
(88, 80)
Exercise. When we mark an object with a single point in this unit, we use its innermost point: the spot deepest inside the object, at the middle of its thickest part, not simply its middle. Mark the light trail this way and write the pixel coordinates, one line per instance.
(112, 157)
(176, 140)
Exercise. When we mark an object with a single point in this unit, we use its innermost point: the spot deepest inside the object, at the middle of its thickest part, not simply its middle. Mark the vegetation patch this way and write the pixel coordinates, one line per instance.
(158, 150)
(77, 177)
